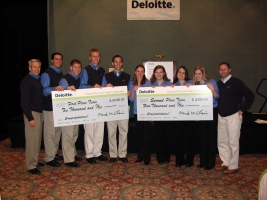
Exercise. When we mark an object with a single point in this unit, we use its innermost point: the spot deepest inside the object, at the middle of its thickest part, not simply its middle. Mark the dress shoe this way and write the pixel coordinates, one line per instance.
(221, 168)
(124, 160)
(160, 162)
(40, 165)
(188, 165)
(200, 166)
(112, 160)
(78, 158)
(138, 160)
(91, 160)
(53, 163)
(178, 165)
(101, 158)
(73, 164)
(34, 171)
(208, 167)
(146, 162)
(58, 157)
(230, 171)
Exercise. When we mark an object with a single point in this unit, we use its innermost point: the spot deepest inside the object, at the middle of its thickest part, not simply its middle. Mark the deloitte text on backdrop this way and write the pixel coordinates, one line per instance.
(153, 10)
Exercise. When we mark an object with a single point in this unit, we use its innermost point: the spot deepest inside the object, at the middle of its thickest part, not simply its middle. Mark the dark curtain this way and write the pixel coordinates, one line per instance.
(24, 36)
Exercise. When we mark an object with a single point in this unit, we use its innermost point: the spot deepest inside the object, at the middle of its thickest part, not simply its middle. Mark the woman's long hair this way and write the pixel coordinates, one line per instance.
(153, 77)
(205, 76)
(135, 82)
(186, 78)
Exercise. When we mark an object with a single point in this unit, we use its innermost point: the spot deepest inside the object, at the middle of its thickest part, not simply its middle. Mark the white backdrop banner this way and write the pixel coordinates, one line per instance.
(153, 10)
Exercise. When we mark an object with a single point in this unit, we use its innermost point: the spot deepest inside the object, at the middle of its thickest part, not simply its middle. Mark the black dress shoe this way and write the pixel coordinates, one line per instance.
(200, 166)
(34, 171)
(53, 163)
(112, 160)
(188, 165)
(160, 162)
(58, 157)
(40, 165)
(91, 160)
(178, 165)
(101, 158)
(78, 158)
(207, 167)
(73, 164)
(139, 160)
(124, 160)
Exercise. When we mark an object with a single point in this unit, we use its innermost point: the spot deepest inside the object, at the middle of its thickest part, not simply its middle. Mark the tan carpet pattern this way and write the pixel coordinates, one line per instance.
(126, 181)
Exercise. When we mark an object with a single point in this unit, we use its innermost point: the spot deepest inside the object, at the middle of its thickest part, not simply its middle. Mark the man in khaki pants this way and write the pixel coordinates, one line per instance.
(32, 106)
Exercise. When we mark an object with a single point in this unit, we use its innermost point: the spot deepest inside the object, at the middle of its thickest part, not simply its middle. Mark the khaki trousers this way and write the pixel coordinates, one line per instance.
(33, 137)
(228, 139)
(51, 136)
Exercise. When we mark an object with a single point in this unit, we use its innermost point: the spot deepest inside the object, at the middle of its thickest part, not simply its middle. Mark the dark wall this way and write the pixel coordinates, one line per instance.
(24, 36)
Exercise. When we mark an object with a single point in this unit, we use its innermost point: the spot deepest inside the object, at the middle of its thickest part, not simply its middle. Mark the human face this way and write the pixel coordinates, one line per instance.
(57, 61)
(181, 74)
(139, 73)
(159, 74)
(224, 71)
(198, 75)
(117, 64)
(35, 68)
(95, 58)
(76, 69)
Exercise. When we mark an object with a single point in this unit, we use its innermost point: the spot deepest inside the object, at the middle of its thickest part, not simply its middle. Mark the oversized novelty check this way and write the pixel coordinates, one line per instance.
(89, 105)
(174, 103)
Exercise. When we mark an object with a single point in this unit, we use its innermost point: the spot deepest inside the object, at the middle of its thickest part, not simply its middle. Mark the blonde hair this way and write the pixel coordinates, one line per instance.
(205, 77)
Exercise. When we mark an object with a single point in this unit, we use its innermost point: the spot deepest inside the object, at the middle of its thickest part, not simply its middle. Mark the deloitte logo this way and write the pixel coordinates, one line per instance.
(63, 95)
(156, 4)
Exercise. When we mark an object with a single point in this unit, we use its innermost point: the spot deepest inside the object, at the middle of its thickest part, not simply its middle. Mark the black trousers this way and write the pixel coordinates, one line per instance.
(208, 140)
(185, 141)
(143, 131)
(163, 133)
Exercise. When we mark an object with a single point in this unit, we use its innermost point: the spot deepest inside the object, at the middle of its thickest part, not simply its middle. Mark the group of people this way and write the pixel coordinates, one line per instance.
(222, 132)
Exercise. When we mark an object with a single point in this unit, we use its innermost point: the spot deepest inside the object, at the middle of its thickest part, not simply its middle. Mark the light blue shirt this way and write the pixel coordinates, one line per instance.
(146, 84)
(64, 83)
(104, 80)
(164, 83)
(186, 82)
(45, 81)
(85, 77)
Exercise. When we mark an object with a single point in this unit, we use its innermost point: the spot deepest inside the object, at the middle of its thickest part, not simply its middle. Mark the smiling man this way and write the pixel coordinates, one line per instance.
(32, 106)
(91, 77)
(117, 78)
(230, 108)
(50, 82)
(71, 81)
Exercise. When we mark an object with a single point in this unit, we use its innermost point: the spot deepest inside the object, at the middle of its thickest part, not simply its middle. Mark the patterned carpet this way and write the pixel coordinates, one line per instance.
(126, 181)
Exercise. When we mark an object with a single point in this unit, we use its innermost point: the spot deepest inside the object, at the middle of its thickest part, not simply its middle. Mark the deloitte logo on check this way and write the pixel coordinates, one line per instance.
(155, 4)
(63, 95)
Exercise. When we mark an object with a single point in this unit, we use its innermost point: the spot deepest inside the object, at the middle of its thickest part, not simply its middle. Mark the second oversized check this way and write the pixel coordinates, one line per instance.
(90, 105)
(174, 103)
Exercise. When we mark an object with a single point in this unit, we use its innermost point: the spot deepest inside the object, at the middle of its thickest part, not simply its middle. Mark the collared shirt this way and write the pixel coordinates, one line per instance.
(84, 77)
(104, 80)
(146, 84)
(186, 82)
(34, 76)
(224, 80)
(164, 83)
(45, 81)
(64, 83)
